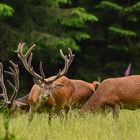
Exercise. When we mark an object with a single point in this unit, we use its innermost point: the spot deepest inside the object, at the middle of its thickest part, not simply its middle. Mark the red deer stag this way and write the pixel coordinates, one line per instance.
(14, 73)
(73, 91)
(115, 93)
(53, 93)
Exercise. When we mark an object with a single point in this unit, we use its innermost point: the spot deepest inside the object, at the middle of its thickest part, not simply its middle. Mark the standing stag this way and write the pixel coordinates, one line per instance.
(53, 93)
(56, 92)
(115, 93)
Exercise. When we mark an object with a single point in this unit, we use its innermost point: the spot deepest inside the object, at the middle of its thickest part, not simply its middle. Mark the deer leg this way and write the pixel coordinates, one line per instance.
(31, 113)
(50, 117)
(67, 110)
(116, 110)
(104, 110)
(61, 113)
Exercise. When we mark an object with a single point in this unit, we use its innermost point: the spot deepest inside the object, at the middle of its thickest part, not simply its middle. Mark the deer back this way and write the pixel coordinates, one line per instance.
(124, 91)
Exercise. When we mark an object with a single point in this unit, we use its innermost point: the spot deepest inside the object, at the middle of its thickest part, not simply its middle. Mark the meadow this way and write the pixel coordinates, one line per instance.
(85, 127)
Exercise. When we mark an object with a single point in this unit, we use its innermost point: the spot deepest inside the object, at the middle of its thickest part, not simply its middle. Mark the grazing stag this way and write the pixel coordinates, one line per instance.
(115, 93)
(53, 93)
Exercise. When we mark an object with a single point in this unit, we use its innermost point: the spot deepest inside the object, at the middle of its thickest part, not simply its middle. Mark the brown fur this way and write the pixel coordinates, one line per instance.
(73, 91)
(115, 93)
(21, 104)
(60, 97)
(83, 90)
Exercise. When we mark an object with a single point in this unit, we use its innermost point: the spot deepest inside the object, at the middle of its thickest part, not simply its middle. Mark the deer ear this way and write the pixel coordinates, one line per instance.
(58, 85)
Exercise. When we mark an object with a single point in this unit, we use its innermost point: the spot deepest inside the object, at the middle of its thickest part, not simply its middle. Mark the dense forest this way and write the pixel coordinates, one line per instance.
(103, 34)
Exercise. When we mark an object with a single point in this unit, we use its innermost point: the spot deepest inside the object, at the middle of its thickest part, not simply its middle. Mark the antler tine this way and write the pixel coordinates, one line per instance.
(41, 71)
(20, 50)
(24, 57)
(71, 56)
(68, 60)
(27, 59)
(14, 73)
(4, 94)
(65, 69)
(30, 69)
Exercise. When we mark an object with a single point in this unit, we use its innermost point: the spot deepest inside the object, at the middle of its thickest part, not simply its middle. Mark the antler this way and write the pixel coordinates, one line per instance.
(27, 58)
(4, 94)
(68, 60)
(14, 73)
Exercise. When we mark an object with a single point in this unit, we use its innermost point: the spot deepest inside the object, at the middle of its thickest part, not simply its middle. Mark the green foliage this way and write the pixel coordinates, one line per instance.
(56, 28)
(121, 32)
(81, 36)
(6, 10)
(113, 40)
(136, 7)
(110, 6)
(133, 8)
(56, 3)
(78, 17)
(103, 34)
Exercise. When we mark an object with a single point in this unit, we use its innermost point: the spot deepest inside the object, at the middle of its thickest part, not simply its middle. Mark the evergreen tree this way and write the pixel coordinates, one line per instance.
(51, 25)
(114, 41)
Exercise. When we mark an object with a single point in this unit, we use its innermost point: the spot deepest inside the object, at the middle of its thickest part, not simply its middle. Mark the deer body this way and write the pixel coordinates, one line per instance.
(115, 93)
(60, 97)
(47, 90)
(73, 91)
(21, 104)
(83, 90)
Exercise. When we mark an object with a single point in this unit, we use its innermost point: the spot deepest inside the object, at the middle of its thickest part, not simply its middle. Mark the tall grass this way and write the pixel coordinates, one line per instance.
(87, 127)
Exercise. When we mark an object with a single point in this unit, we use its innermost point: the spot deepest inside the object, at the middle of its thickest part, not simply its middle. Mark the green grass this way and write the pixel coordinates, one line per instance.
(87, 127)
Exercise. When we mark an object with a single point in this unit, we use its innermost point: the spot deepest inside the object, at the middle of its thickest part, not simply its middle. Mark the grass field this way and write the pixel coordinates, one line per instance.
(87, 127)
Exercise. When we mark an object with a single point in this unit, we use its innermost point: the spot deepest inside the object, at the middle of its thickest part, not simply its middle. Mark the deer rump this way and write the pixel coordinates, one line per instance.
(123, 92)
(82, 92)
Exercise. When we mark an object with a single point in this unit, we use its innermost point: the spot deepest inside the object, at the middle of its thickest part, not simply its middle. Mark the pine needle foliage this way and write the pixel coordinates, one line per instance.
(6, 10)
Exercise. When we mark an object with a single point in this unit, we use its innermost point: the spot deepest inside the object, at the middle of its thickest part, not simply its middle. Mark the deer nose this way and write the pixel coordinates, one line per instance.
(49, 94)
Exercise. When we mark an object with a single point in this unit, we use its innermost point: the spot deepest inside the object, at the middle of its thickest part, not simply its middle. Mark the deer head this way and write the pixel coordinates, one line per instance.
(14, 73)
(46, 84)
